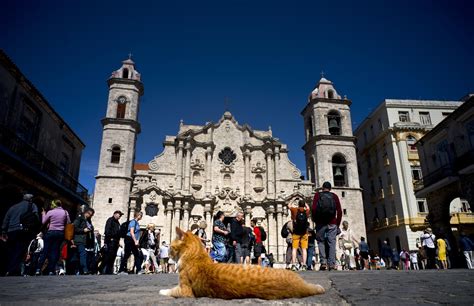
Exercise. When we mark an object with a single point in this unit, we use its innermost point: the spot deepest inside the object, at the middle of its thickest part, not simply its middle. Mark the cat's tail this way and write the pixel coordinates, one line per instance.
(311, 289)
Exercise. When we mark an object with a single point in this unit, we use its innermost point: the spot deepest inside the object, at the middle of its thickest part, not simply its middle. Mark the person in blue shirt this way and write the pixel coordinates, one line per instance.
(364, 254)
(132, 242)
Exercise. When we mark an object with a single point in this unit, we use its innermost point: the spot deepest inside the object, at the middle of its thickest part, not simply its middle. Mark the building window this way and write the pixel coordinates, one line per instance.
(309, 128)
(369, 161)
(422, 206)
(425, 118)
(125, 73)
(227, 156)
(331, 94)
(389, 178)
(344, 212)
(110, 200)
(334, 123)
(365, 137)
(312, 170)
(380, 183)
(115, 155)
(384, 150)
(380, 124)
(372, 130)
(372, 188)
(411, 141)
(384, 211)
(465, 206)
(416, 173)
(29, 125)
(394, 208)
(121, 107)
(403, 116)
(339, 170)
(65, 162)
(151, 209)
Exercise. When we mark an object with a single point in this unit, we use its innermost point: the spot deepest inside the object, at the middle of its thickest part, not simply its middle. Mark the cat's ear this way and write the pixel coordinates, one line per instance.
(179, 233)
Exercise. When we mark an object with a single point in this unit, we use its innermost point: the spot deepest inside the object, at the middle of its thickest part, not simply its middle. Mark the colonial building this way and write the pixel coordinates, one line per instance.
(447, 161)
(201, 170)
(389, 166)
(330, 150)
(39, 152)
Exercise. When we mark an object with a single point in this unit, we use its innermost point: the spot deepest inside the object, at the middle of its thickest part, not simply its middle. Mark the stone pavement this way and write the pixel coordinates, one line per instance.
(351, 287)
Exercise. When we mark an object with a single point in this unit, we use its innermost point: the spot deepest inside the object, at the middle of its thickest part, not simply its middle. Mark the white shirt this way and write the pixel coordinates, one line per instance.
(414, 258)
(164, 251)
(428, 240)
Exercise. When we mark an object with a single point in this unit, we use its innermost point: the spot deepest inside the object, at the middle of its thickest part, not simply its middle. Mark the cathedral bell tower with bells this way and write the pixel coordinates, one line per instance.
(330, 150)
(117, 152)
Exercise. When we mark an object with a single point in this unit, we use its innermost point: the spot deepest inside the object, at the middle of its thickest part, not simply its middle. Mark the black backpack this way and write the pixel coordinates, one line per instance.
(263, 234)
(33, 246)
(124, 229)
(301, 223)
(284, 231)
(325, 209)
(30, 220)
(143, 242)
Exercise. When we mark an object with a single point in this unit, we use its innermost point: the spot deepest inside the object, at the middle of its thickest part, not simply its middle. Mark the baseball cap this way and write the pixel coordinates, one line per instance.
(118, 212)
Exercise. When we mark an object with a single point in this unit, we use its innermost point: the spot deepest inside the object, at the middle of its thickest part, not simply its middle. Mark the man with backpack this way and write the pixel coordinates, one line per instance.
(299, 215)
(327, 215)
(20, 225)
(132, 243)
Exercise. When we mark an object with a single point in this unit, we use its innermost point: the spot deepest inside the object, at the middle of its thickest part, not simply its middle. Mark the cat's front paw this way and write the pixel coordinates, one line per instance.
(165, 292)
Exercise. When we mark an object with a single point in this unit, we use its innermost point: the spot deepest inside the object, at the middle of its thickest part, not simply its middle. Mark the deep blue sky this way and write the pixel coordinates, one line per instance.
(266, 56)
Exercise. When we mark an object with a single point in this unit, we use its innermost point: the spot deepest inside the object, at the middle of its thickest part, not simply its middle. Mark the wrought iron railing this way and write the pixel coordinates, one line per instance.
(16, 146)
(433, 177)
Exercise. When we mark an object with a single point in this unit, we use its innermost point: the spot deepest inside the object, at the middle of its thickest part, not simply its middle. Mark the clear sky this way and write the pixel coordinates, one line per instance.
(265, 56)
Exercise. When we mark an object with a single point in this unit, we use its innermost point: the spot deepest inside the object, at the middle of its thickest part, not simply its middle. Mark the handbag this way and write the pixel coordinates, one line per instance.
(68, 230)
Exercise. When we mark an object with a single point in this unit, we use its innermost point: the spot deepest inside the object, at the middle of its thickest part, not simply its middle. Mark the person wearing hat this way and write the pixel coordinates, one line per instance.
(428, 241)
(111, 242)
(327, 214)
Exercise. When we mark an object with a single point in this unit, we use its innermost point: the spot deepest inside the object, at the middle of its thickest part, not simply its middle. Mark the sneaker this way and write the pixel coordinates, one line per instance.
(62, 272)
(294, 268)
(140, 272)
(38, 273)
(303, 268)
(122, 273)
(323, 267)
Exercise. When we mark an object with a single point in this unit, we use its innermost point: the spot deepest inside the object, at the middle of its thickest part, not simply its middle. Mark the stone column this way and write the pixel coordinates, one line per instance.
(270, 173)
(177, 215)
(187, 168)
(273, 231)
(276, 164)
(179, 167)
(169, 223)
(208, 169)
(208, 217)
(185, 222)
(407, 182)
(247, 172)
(281, 246)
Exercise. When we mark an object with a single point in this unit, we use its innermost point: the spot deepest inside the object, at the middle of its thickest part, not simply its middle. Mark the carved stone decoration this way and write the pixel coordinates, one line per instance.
(227, 169)
(228, 193)
(259, 168)
(153, 195)
(151, 209)
(196, 164)
(227, 156)
(153, 165)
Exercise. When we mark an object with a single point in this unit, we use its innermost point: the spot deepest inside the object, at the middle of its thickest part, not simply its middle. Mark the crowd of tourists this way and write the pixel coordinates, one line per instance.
(48, 243)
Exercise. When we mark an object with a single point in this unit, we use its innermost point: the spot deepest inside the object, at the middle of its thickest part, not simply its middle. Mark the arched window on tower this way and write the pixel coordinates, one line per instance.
(334, 122)
(125, 73)
(331, 94)
(312, 171)
(309, 128)
(121, 107)
(115, 155)
(339, 170)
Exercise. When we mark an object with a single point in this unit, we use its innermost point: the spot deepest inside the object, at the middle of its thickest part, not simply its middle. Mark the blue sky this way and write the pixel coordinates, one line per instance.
(265, 56)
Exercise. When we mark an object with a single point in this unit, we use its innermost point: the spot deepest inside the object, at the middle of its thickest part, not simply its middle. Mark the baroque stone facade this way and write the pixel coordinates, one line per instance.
(203, 169)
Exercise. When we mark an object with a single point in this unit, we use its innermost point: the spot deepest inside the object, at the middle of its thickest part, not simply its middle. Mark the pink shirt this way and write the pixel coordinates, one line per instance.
(57, 219)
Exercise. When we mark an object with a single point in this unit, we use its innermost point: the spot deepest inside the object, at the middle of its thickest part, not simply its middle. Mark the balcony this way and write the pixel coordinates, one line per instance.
(433, 177)
(19, 150)
(380, 194)
(386, 161)
(460, 218)
(465, 160)
(390, 191)
(413, 155)
(378, 224)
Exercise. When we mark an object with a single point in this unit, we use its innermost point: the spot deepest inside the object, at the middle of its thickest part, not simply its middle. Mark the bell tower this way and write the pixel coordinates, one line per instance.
(117, 152)
(330, 150)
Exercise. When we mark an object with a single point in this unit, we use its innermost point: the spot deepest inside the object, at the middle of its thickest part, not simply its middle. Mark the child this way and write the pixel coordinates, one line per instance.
(414, 260)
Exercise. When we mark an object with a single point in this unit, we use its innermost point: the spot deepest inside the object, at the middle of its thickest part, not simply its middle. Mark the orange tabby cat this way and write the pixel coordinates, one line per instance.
(200, 277)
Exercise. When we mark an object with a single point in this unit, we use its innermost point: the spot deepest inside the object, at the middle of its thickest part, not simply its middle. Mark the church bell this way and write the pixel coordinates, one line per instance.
(333, 124)
(338, 172)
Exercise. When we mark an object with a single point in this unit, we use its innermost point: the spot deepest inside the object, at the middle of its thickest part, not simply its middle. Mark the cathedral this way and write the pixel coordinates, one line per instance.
(222, 166)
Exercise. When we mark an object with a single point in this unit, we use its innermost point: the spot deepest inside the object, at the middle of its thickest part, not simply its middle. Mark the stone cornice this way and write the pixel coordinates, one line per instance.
(136, 83)
(325, 100)
(134, 124)
(316, 138)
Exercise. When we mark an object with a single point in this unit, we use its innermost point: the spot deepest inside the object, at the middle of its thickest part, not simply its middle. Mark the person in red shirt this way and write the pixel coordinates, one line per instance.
(327, 214)
(258, 247)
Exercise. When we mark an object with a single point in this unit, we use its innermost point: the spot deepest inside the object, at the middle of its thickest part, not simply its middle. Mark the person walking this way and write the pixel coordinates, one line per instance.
(35, 249)
(258, 244)
(131, 244)
(151, 248)
(327, 214)
(300, 214)
(405, 259)
(111, 242)
(248, 239)
(346, 244)
(467, 248)
(414, 260)
(429, 245)
(56, 220)
(236, 234)
(19, 227)
(442, 252)
(218, 238)
(164, 257)
(83, 237)
(201, 233)
(311, 249)
(386, 253)
(395, 259)
(364, 254)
